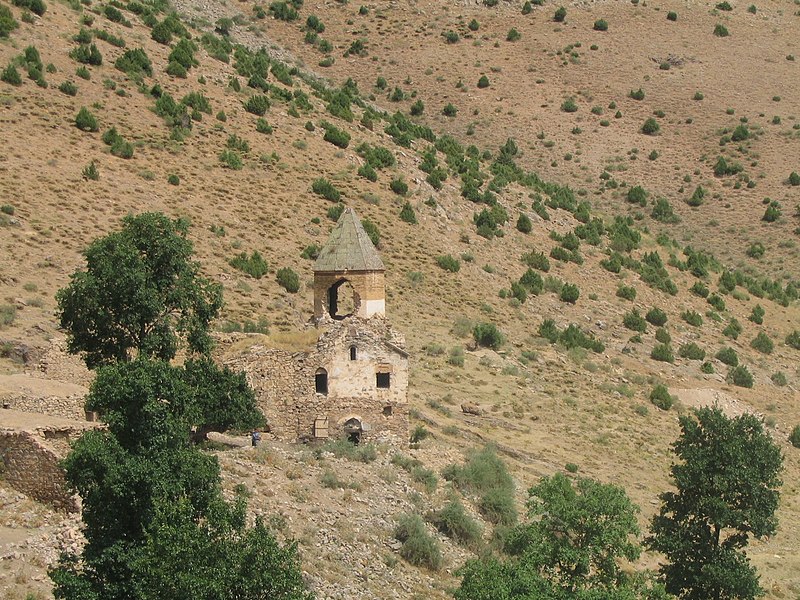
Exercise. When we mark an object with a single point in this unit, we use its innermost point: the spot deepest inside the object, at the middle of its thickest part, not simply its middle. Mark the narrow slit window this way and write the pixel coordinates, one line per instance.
(321, 381)
(353, 352)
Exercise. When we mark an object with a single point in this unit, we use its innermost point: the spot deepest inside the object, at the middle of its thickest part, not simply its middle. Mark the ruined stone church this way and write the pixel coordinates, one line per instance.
(354, 382)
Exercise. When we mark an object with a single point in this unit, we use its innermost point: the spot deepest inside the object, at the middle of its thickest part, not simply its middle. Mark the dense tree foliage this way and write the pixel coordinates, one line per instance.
(727, 484)
(570, 548)
(139, 291)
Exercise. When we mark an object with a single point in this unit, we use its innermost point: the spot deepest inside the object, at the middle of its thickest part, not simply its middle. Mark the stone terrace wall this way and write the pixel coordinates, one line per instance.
(69, 407)
(31, 467)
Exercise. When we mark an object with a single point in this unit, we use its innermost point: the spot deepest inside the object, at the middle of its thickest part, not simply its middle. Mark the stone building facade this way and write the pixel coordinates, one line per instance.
(354, 382)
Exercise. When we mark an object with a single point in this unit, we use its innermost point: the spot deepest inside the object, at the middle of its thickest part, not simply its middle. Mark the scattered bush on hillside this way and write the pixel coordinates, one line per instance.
(720, 30)
(636, 94)
(672, 16)
(483, 82)
(697, 197)
(323, 187)
(626, 292)
(762, 343)
(335, 136)
(254, 265)
(569, 105)
(231, 160)
(11, 76)
(656, 316)
(288, 280)
(37, 7)
(794, 178)
(419, 547)
(448, 263)
(257, 105)
(716, 301)
(793, 339)
(663, 336)
(733, 329)
(601, 25)
(560, 14)
(90, 172)
(637, 195)
(661, 397)
(740, 376)
(634, 321)
(569, 293)
(454, 522)
(794, 437)
(407, 214)
(513, 35)
(691, 351)
(86, 121)
(757, 314)
(485, 475)
(134, 63)
(7, 21)
(536, 260)
(488, 335)
(651, 127)
(663, 353)
(728, 356)
(692, 318)
(663, 212)
(398, 186)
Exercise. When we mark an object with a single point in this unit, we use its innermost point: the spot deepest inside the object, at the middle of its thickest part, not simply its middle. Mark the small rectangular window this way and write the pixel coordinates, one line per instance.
(352, 352)
(382, 380)
(387, 410)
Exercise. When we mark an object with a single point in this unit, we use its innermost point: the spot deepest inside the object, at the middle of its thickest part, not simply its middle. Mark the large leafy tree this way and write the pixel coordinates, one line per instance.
(727, 484)
(140, 293)
(156, 523)
(569, 548)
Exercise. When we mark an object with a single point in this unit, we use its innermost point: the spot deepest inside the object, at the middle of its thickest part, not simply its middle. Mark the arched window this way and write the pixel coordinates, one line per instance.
(353, 352)
(321, 381)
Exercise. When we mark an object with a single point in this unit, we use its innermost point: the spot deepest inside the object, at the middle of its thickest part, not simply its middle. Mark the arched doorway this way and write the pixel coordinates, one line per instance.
(353, 430)
(342, 299)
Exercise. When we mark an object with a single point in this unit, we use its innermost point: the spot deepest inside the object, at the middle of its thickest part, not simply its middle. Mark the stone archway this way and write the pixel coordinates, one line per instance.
(353, 430)
(343, 301)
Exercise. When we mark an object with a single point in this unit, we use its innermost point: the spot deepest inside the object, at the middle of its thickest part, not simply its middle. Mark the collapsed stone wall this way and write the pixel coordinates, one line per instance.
(31, 466)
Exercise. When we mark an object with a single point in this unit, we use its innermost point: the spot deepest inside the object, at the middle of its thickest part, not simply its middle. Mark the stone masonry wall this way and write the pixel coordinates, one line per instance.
(31, 467)
(284, 382)
(69, 407)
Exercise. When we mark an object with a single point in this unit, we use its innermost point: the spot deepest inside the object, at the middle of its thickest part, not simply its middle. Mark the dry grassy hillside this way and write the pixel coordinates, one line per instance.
(546, 405)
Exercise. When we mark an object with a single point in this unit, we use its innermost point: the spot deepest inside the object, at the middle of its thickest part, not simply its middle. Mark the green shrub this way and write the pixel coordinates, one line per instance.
(793, 339)
(90, 172)
(716, 301)
(762, 343)
(173, 179)
(656, 316)
(692, 318)
(283, 11)
(601, 25)
(288, 280)
(11, 76)
(757, 315)
(399, 186)
(407, 214)
(372, 231)
(663, 212)
(344, 448)
(454, 522)
(7, 21)
(771, 214)
(68, 88)
(636, 94)
(637, 195)
(549, 330)
(651, 127)
(337, 137)
(254, 265)
(449, 110)
(426, 477)
(794, 437)
(634, 321)
(569, 105)
(574, 337)
(257, 105)
(560, 14)
(691, 351)
(487, 476)
(779, 379)
(663, 353)
(626, 292)
(323, 187)
(450, 36)
(231, 160)
(720, 30)
(419, 548)
(87, 54)
(524, 224)
(740, 376)
(513, 35)
(794, 178)
(334, 212)
(663, 336)
(728, 356)
(86, 121)
(661, 397)
(448, 263)
(488, 335)
(733, 329)
(37, 7)
(672, 16)
(707, 368)
(536, 260)
(134, 63)
(569, 293)
(483, 82)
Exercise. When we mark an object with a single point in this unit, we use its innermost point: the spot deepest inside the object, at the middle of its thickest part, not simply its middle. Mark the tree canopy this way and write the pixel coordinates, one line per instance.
(139, 291)
(727, 484)
(568, 549)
